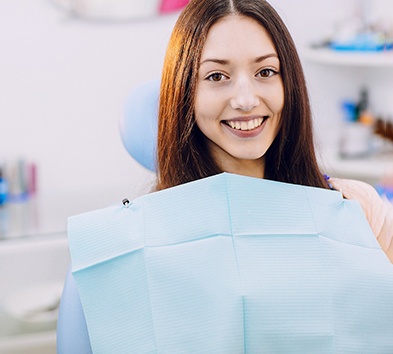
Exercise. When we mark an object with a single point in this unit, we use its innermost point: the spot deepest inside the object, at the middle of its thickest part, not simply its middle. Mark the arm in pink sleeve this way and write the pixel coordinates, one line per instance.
(378, 211)
(385, 237)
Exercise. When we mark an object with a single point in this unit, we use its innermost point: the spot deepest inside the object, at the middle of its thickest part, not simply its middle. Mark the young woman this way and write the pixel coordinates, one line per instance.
(217, 80)
(233, 99)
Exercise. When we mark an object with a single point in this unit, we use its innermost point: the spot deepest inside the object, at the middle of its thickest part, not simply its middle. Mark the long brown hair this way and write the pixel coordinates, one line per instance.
(182, 155)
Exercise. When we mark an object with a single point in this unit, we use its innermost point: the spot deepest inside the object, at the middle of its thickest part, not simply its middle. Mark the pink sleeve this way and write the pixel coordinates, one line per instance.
(378, 211)
(385, 236)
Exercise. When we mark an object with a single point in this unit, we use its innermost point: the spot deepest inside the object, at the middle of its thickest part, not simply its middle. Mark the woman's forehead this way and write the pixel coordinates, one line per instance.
(235, 34)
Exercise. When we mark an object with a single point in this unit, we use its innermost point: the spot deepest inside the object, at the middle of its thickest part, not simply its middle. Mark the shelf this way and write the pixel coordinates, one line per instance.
(371, 169)
(361, 59)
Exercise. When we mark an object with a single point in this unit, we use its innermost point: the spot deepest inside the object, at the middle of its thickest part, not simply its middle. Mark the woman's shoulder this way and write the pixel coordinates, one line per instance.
(354, 189)
(378, 211)
(370, 201)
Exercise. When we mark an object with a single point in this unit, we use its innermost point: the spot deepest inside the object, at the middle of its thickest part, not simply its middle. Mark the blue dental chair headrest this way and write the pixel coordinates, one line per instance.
(138, 125)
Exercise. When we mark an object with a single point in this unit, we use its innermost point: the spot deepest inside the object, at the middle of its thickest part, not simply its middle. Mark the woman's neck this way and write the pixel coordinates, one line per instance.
(251, 168)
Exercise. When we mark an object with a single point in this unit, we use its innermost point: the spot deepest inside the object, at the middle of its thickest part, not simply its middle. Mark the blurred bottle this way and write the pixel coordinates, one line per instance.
(363, 111)
(3, 187)
(355, 140)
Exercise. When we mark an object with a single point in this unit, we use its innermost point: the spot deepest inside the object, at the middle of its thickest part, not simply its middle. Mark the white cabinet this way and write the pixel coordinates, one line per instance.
(32, 271)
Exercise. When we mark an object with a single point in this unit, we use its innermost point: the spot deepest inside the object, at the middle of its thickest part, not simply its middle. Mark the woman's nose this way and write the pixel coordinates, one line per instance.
(244, 96)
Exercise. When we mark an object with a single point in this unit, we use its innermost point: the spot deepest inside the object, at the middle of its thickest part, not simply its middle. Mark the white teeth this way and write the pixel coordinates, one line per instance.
(232, 124)
(245, 125)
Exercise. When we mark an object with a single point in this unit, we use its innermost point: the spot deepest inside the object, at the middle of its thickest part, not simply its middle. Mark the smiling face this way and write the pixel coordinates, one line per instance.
(239, 95)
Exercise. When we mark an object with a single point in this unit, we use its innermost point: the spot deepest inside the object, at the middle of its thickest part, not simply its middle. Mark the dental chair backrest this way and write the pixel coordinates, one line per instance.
(138, 131)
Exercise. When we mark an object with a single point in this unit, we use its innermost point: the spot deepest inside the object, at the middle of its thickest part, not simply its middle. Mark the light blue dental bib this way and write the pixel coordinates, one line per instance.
(233, 264)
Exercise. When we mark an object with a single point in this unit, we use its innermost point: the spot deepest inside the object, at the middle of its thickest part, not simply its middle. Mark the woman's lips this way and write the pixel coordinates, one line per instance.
(246, 127)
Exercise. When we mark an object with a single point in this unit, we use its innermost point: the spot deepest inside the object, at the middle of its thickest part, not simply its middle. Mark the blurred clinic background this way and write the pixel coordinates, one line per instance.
(67, 69)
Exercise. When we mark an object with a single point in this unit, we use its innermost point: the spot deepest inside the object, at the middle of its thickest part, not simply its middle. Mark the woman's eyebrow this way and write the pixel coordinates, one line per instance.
(226, 62)
(217, 61)
(266, 56)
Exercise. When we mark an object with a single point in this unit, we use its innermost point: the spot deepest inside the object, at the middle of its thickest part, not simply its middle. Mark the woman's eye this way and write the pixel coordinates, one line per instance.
(216, 77)
(267, 73)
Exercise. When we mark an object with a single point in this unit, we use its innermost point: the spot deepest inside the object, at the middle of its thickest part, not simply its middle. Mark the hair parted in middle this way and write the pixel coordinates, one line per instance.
(182, 153)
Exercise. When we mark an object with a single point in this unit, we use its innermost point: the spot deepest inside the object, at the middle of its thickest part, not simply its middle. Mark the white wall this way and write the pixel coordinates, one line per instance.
(63, 86)
(63, 83)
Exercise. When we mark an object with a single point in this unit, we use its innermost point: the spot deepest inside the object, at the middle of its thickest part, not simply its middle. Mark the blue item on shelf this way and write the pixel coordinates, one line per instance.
(349, 111)
(3, 188)
(367, 42)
